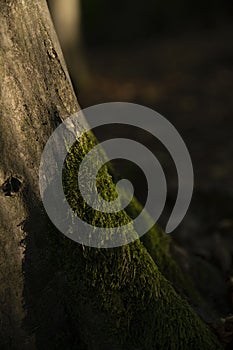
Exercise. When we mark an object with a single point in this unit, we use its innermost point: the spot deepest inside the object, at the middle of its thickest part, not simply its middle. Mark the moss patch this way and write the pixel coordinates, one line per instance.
(120, 297)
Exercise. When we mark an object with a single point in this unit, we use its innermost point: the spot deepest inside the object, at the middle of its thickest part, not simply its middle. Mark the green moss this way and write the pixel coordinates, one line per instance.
(120, 296)
(157, 243)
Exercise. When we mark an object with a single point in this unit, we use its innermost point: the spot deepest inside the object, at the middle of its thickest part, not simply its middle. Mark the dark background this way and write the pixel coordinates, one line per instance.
(108, 22)
(175, 57)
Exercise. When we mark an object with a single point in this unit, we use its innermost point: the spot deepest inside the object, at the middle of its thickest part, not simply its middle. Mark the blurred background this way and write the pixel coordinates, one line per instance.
(175, 57)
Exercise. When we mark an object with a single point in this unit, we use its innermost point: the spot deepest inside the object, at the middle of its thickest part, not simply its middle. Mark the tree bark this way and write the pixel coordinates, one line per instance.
(35, 93)
(54, 293)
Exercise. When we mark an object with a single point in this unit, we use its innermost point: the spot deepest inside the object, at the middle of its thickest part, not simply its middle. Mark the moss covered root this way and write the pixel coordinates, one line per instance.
(120, 297)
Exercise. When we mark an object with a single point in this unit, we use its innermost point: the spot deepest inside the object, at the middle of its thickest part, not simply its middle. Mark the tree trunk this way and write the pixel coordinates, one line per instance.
(67, 17)
(55, 293)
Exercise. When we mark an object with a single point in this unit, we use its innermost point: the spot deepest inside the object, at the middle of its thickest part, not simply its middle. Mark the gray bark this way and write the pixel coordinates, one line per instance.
(36, 93)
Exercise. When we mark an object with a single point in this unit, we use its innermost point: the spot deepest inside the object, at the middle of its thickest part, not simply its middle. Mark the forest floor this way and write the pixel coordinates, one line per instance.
(187, 78)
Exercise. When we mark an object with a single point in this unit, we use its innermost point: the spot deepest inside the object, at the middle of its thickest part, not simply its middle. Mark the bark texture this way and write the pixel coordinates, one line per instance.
(54, 293)
(35, 92)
